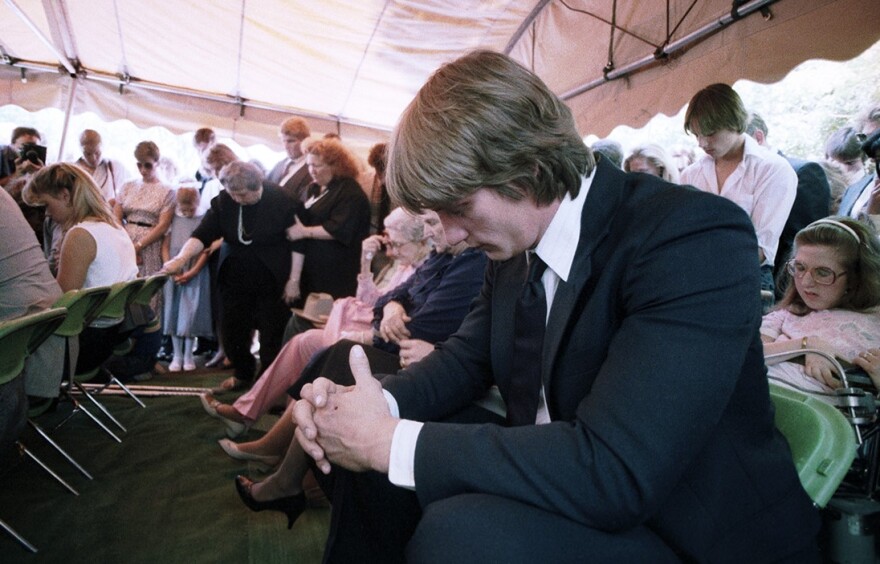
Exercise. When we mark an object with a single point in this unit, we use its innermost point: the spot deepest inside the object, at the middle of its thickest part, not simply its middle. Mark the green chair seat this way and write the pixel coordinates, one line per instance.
(121, 294)
(152, 285)
(822, 442)
(82, 306)
(17, 339)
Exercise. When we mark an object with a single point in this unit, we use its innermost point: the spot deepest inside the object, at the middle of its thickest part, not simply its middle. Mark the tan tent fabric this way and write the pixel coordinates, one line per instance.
(351, 66)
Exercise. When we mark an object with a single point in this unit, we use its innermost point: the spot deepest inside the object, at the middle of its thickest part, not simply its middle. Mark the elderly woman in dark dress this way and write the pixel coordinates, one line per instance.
(255, 275)
(335, 220)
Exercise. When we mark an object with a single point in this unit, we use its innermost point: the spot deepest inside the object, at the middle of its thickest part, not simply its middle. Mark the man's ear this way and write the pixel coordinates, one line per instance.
(759, 137)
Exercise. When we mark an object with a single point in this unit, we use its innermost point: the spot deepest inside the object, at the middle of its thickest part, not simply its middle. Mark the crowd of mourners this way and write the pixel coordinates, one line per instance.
(245, 248)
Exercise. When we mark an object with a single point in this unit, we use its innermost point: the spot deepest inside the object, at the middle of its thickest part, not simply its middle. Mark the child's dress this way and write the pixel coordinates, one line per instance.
(187, 310)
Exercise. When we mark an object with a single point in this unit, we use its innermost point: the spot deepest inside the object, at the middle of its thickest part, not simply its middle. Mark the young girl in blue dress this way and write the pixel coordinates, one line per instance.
(187, 312)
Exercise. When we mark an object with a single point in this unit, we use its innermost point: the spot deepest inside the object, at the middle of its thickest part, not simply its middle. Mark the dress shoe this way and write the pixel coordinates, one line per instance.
(292, 506)
(175, 365)
(233, 384)
(189, 366)
(234, 429)
(232, 450)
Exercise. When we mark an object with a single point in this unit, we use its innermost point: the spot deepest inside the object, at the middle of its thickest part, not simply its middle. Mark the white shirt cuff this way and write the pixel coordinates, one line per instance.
(392, 403)
(401, 466)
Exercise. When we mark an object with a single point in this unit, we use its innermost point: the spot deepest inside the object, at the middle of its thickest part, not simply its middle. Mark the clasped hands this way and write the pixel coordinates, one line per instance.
(350, 426)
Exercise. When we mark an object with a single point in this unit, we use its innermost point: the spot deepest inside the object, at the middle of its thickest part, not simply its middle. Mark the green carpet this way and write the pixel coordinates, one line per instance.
(165, 494)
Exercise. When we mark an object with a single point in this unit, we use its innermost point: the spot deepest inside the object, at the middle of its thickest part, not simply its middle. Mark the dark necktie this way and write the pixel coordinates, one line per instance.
(314, 191)
(530, 320)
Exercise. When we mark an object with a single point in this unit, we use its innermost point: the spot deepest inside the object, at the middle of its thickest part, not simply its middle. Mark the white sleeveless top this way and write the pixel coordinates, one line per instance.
(115, 257)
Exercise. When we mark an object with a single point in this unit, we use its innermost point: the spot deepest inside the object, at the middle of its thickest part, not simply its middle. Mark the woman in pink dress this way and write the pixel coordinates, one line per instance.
(406, 244)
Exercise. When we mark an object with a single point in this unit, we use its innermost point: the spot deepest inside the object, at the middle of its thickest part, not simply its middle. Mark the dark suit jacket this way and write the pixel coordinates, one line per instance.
(655, 383)
(812, 202)
(296, 186)
(852, 193)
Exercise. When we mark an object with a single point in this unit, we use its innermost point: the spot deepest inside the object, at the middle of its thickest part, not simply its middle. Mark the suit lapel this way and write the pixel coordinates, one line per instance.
(602, 201)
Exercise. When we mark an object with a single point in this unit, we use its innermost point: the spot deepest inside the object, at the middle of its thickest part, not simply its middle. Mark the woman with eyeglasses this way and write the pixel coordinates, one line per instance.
(831, 304)
(146, 208)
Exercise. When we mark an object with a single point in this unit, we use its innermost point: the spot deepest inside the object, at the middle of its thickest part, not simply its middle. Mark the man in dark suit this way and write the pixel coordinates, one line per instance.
(857, 199)
(812, 201)
(646, 431)
(291, 173)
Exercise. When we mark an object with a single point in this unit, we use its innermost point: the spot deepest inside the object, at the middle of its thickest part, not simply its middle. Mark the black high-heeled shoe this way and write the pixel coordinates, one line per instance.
(292, 506)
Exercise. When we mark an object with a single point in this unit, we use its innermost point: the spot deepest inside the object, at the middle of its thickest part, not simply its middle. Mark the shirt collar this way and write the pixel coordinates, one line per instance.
(559, 244)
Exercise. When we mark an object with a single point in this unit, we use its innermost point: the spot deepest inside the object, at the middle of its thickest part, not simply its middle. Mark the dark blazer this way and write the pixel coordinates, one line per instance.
(296, 186)
(852, 193)
(812, 202)
(655, 383)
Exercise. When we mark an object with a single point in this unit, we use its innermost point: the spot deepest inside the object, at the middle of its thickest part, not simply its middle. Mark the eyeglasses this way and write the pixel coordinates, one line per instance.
(820, 275)
(396, 245)
(147, 165)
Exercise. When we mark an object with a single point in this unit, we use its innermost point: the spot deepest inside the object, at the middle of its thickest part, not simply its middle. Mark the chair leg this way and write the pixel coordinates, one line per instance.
(99, 406)
(18, 537)
(124, 388)
(51, 472)
(57, 447)
(77, 406)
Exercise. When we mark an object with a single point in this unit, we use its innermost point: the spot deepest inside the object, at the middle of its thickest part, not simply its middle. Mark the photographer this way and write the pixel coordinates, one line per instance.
(20, 157)
(18, 161)
(859, 198)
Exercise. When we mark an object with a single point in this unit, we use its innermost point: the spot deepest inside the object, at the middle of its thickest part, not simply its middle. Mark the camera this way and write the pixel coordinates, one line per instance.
(871, 148)
(34, 153)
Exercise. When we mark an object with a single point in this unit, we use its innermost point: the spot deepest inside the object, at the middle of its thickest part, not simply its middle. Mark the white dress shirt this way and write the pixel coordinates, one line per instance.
(763, 184)
(557, 249)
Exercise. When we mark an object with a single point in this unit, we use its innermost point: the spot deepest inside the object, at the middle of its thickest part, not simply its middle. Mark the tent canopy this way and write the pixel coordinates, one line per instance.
(351, 66)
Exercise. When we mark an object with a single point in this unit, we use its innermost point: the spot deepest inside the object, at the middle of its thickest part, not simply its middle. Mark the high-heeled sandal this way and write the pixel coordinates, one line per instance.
(234, 429)
(292, 506)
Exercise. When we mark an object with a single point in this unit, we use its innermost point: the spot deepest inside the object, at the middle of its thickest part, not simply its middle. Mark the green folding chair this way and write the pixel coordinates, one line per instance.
(822, 441)
(18, 338)
(112, 311)
(152, 286)
(82, 307)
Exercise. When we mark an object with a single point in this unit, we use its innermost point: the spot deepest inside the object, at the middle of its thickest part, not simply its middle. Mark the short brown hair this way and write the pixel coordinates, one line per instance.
(714, 108)
(483, 121)
(204, 136)
(147, 149)
(296, 127)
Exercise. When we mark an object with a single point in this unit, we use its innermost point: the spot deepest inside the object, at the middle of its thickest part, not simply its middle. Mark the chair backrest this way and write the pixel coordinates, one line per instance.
(121, 294)
(82, 306)
(822, 442)
(17, 339)
(152, 285)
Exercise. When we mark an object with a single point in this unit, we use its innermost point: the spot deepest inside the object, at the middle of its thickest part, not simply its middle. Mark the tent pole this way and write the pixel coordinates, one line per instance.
(675, 46)
(67, 113)
(41, 36)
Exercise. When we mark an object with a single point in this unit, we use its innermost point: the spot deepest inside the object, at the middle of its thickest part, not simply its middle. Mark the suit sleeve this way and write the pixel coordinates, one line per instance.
(690, 318)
